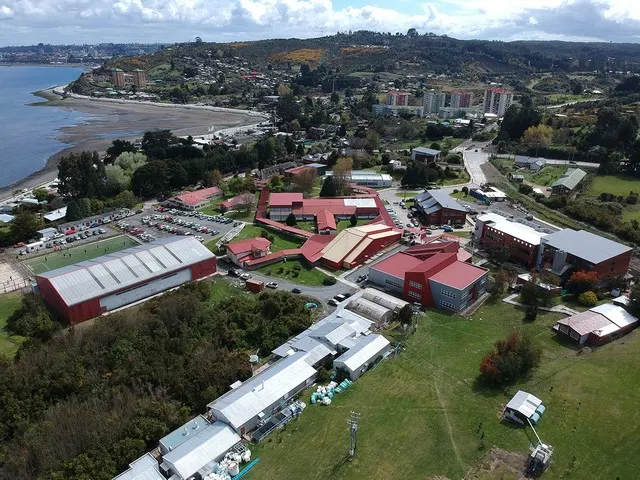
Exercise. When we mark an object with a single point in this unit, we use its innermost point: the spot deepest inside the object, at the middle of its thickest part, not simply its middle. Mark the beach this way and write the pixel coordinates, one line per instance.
(127, 120)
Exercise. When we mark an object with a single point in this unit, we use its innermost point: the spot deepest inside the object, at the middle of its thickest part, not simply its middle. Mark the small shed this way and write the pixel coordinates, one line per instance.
(255, 286)
(47, 233)
(524, 406)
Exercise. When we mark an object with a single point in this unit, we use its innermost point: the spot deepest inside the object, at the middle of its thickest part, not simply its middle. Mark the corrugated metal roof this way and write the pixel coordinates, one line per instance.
(525, 403)
(431, 198)
(585, 245)
(208, 445)
(513, 229)
(333, 332)
(117, 271)
(180, 435)
(585, 322)
(144, 468)
(570, 179)
(427, 151)
(365, 350)
(615, 314)
(264, 390)
(369, 309)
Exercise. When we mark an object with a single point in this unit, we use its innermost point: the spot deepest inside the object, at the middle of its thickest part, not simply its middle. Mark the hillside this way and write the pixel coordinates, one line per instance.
(370, 51)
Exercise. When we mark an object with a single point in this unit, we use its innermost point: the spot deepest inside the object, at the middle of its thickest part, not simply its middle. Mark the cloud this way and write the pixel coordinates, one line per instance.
(93, 21)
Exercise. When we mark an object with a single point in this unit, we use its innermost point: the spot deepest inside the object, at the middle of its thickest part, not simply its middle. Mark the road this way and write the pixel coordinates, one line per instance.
(474, 157)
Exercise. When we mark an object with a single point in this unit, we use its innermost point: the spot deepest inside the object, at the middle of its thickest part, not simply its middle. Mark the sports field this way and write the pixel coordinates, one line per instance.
(70, 255)
(423, 416)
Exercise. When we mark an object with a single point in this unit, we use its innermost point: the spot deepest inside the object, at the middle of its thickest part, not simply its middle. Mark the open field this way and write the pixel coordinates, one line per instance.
(423, 414)
(343, 224)
(407, 193)
(306, 275)
(463, 177)
(545, 177)
(615, 184)
(77, 254)
(281, 242)
(9, 344)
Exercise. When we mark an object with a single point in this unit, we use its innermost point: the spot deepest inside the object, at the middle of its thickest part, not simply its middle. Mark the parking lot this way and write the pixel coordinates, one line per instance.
(152, 224)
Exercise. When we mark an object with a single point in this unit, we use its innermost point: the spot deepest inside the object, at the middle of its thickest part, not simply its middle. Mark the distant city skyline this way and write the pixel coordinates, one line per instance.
(152, 21)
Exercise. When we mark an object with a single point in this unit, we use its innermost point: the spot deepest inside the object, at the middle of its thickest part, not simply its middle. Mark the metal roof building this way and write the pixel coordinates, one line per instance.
(568, 181)
(433, 200)
(362, 354)
(144, 468)
(87, 289)
(586, 245)
(254, 400)
(208, 445)
(597, 325)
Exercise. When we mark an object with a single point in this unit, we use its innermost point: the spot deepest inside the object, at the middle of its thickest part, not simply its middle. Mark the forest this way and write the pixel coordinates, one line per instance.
(83, 402)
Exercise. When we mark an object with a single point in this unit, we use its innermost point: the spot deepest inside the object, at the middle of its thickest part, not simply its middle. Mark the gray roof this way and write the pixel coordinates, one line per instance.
(180, 435)
(570, 179)
(432, 200)
(585, 245)
(46, 231)
(615, 314)
(259, 393)
(524, 160)
(364, 350)
(91, 219)
(427, 151)
(56, 214)
(208, 445)
(144, 468)
(119, 270)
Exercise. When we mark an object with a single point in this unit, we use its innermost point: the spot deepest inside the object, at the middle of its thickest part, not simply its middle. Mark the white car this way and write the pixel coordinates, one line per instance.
(245, 276)
(272, 285)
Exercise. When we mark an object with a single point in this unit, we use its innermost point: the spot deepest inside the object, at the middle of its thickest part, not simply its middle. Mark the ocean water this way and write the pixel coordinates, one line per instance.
(28, 133)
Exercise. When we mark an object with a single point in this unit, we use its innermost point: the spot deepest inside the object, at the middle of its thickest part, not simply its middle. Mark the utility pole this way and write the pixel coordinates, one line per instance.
(353, 424)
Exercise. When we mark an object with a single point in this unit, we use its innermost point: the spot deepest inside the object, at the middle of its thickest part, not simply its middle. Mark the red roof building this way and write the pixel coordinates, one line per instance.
(431, 276)
(197, 199)
(248, 250)
(326, 222)
(354, 246)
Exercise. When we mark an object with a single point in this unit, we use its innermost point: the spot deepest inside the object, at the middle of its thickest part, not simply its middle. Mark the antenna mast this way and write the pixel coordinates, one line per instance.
(353, 423)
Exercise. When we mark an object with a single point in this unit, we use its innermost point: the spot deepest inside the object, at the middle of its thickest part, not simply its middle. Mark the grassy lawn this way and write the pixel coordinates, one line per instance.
(222, 290)
(342, 224)
(462, 196)
(307, 226)
(281, 242)
(425, 408)
(9, 303)
(463, 177)
(407, 193)
(81, 253)
(307, 275)
(545, 177)
(616, 184)
(462, 234)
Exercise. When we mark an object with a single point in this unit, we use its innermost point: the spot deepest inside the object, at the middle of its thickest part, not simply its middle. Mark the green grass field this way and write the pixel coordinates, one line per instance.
(616, 184)
(462, 196)
(343, 224)
(9, 303)
(423, 416)
(407, 193)
(281, 242)
(77, 254)
(287, 270)
(463, 177)
(545, 177)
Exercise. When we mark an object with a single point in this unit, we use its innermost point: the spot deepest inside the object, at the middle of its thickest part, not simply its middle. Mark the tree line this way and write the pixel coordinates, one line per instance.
(84, 402)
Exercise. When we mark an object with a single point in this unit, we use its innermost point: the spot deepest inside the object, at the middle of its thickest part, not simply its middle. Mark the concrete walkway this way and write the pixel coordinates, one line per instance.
(557, 309)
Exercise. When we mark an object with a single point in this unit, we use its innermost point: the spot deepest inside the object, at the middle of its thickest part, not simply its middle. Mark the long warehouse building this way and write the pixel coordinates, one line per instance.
(87, 289)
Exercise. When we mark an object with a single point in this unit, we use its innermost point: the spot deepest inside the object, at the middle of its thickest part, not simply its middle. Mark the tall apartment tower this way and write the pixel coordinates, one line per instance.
(497, 100)
(434, 101)
(398, 98)
(139, 78)
(117, 76)
(461, 99)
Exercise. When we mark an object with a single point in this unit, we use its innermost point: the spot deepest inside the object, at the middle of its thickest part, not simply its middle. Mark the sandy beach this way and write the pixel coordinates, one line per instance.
(111, 120)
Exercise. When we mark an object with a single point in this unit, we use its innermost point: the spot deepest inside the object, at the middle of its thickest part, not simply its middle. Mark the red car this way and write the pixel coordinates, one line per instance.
(18, 245)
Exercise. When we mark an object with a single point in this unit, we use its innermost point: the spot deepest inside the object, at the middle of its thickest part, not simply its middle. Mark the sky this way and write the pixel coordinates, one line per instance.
(26, 22)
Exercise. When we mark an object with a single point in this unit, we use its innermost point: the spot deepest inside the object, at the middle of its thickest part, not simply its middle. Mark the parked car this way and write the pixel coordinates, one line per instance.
(245, 276)
(296, 290)
(233, 272)
(272, 285)
(333, 302)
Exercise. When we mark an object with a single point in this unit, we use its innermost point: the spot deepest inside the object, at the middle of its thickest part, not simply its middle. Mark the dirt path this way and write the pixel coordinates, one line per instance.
(449, 426)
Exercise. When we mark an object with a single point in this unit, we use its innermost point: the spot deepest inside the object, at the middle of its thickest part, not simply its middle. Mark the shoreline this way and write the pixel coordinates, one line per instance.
(109, 119)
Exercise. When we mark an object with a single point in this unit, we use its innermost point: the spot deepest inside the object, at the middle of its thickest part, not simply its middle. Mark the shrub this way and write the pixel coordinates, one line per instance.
(297, 267)
(509, 360)
(588, 299)
(581, 282)
(455, 190)
(328, 281)
(525, 189)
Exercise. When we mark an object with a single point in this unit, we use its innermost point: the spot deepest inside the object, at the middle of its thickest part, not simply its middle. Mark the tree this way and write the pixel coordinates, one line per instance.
(499, 255)
(287, 108)
(81, 175)
(509, 360)
(501, 281)
(541, 135)
(117, 178)
(125, 199)
(353, 220)
(342, 174)
(32, 319)
(517, 119)
(588, 299)
(634, 300)
(465, 190)
(276, 183)
(305, 180)
(213, 178)
(300, 149)
(405, 315)
(533, 295)
(291, 220)
(25, 225)
(40, 194)
(246, 201)
(580, 282)
(335, 98)
(329, 188)
(118, 147)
